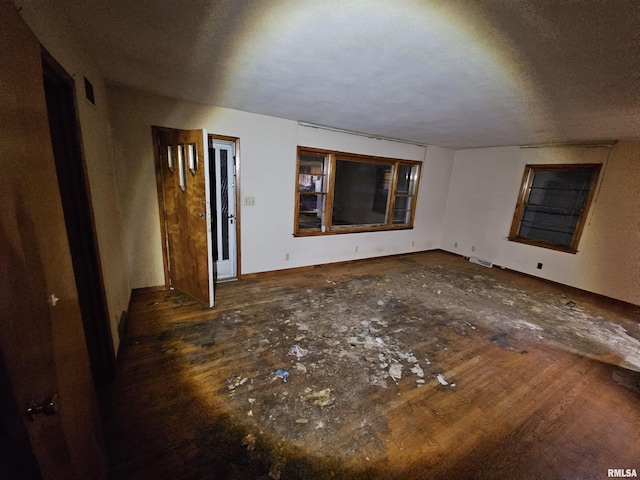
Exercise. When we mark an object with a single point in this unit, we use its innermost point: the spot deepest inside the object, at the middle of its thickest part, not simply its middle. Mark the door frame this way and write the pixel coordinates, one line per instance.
(157, 158)
(75, 193)
(236, 163)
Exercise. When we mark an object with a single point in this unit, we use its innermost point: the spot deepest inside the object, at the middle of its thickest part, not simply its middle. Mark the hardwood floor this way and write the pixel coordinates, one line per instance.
(529, 394)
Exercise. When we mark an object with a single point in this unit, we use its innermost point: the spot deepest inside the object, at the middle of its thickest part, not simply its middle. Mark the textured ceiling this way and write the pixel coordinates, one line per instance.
(454, 73)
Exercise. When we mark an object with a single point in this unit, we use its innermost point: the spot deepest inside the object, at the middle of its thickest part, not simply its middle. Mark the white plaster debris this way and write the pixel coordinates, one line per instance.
(301, 368)
(528, 325)
(380, 302)
(395, 371)
(418, 370)
(239, 382)
(322, 398)
(298, 352)
(442, 380)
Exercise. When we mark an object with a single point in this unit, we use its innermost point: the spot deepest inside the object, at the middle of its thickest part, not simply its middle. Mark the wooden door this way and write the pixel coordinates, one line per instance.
(184, 167)
(42, 344)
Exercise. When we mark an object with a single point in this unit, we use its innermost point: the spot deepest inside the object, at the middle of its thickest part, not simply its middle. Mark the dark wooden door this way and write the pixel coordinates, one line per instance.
(187, 214)
(42, 346)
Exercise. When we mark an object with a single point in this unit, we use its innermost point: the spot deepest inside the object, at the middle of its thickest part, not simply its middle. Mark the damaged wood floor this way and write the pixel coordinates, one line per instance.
(411, 367)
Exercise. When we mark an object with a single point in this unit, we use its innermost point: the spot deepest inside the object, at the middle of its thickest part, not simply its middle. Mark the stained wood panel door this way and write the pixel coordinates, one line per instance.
(184, 166)
(42, 346)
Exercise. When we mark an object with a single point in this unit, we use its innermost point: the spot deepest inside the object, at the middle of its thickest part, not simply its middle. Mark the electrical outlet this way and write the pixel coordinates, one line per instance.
(356, 249)
(473, 248)
(455, 244)
(250, 201)
(286, 256)
(413, 243)
(539, 266)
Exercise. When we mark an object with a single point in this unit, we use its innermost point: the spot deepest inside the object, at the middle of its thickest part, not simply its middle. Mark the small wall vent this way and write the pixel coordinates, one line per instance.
(479, 261)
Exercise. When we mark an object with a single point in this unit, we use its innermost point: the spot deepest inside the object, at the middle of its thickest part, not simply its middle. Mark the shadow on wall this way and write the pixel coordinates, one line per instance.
(613, 232)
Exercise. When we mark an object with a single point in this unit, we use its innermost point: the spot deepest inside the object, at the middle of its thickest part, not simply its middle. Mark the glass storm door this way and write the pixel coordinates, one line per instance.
(224, 198)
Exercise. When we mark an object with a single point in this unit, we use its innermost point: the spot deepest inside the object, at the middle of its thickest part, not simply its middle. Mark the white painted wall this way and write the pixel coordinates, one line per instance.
(51, 27)
(268, 173)
(482, 198)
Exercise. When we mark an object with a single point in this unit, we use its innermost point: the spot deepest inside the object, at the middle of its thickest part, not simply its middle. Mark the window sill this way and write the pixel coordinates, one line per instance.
(343, 230)
(542, 244)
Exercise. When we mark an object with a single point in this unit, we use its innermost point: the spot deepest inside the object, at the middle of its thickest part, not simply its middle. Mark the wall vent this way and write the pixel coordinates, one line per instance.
(479, 261)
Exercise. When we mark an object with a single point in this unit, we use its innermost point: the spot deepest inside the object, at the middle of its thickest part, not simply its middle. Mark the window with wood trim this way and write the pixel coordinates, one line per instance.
(343, 193)
(553, 204)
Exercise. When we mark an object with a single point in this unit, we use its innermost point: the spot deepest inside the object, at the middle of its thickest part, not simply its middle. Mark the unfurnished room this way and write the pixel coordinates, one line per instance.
(318, 239)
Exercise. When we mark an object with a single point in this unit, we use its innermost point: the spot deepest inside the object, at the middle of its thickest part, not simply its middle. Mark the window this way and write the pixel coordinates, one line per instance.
(343, 193)
(553, 205)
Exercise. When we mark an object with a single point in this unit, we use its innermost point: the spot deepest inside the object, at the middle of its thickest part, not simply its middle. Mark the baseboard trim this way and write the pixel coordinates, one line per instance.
(322, 265)
(578, 291)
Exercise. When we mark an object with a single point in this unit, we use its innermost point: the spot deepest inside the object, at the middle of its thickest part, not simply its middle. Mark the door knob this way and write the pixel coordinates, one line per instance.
(201, 214)
(49, 406)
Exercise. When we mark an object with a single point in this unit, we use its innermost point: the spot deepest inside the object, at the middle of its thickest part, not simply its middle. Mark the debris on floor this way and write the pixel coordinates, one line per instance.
(297, 351)
(383, 336)
(322, 398)
(395, 371)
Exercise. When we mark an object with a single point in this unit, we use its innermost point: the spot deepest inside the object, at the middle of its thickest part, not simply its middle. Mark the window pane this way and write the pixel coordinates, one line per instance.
(361, 194)
(310, 202)
(563, 179)
(182, 168)
(404, 179)
(548, 224)
(224, 203)
(402, 210)
(557, 198)
(310, 220)
(551, 218)
(311, 210)
(567, 189)
(311, 177)
(400, 217)
(403, 203)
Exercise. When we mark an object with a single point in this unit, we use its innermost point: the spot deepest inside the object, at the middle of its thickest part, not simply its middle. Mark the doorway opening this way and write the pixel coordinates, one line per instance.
(223, 173)
(197, 177)
(78, 215)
